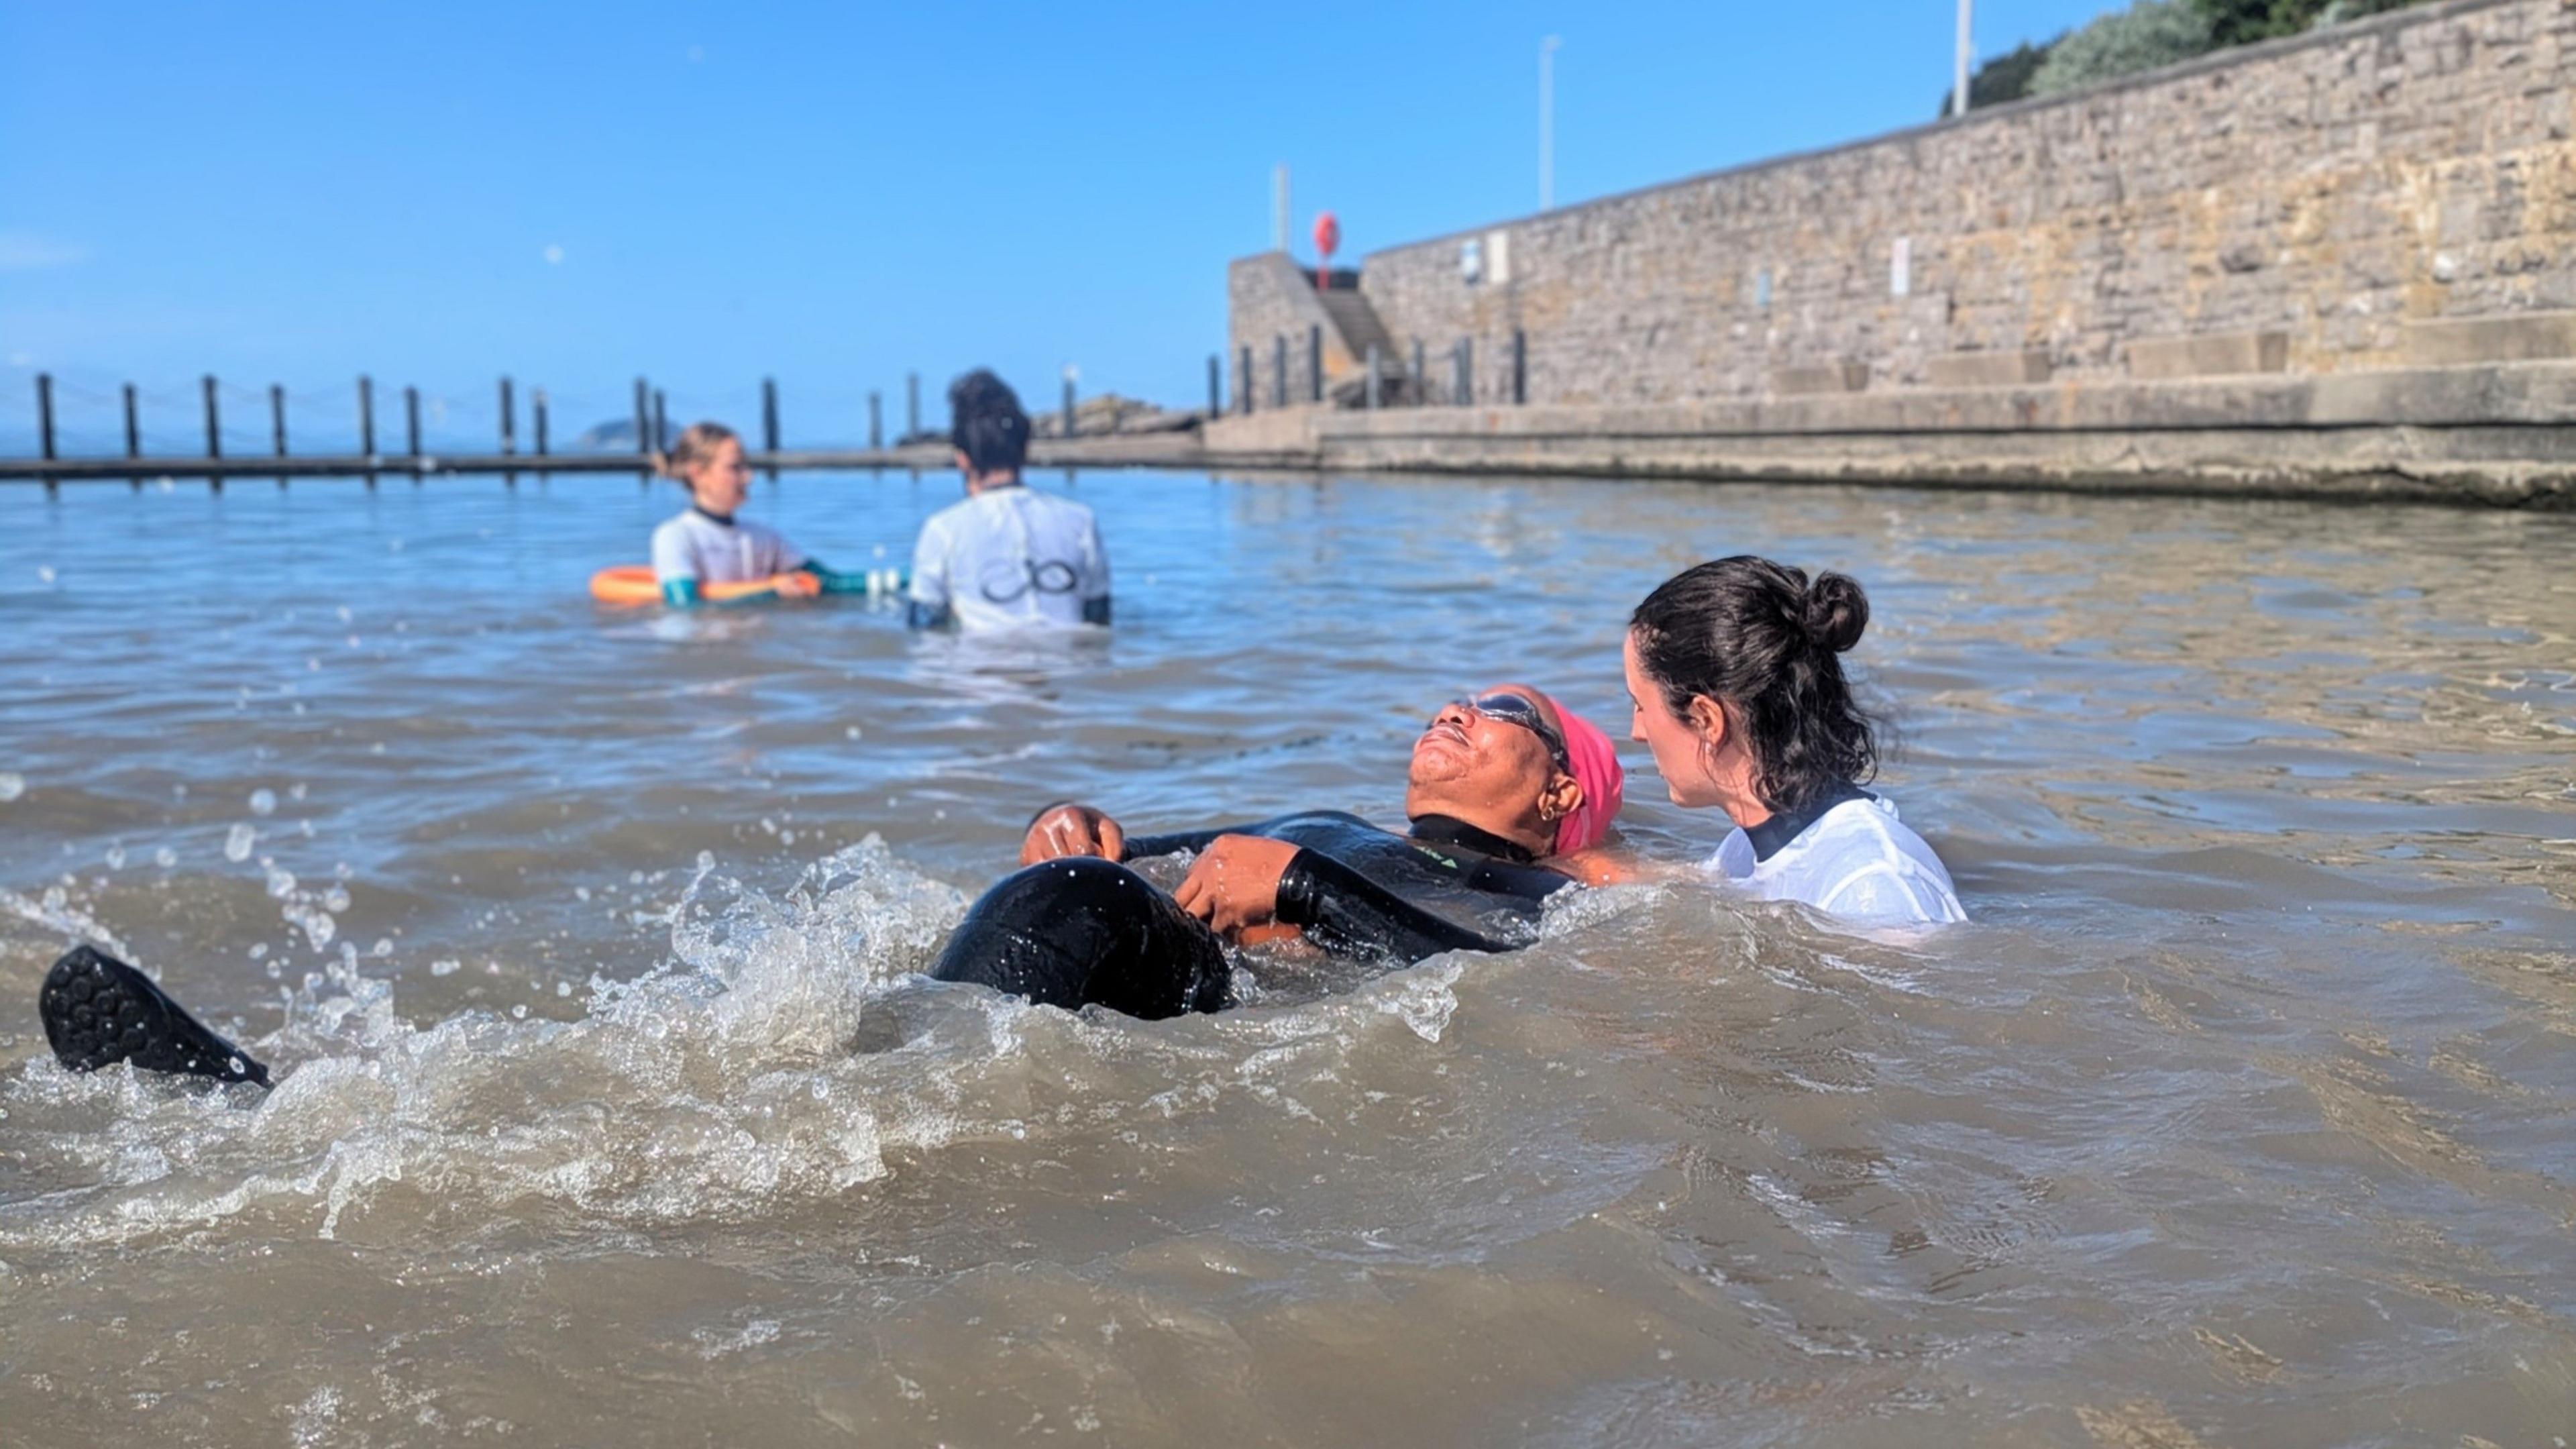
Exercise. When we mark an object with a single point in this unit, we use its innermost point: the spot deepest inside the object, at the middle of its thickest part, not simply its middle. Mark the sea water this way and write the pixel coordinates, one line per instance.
(610, 1105)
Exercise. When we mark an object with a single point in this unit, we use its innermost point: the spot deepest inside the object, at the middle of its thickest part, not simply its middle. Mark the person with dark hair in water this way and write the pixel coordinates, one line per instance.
(1008, 556)
(1506, 797)
(1736, 688)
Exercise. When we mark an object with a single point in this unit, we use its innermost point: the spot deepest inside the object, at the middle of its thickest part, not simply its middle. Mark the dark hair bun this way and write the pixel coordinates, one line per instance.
(1836, 611)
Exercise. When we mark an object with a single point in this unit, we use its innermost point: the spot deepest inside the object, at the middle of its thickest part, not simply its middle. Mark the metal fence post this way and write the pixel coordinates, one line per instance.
(277, 417)
(876, 423)
(1279, 370)
(133, 426)
(1216, 387)
(1421, 376)
(661, 422)
(911, 406)
(1463, 390)
(411, 418)
(1243, 379)
(45, 413)
(537, 417)
(1315, 363)
(769, 413)
(1520, 367)
(366, 416)
(1372, 377)
(509, 420)
(214, 422)
(643, 419)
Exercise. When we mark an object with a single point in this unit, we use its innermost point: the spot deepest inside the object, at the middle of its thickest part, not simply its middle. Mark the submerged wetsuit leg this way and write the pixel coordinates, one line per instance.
(1081, 930)
(98, 1011)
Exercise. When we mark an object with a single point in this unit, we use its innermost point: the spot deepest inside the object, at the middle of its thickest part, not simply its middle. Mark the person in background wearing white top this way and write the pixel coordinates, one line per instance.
(1008, 556)
(708, 545)
(1733, 676)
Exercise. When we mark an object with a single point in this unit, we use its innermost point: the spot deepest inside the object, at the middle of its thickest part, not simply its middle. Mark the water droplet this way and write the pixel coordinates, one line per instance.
(258, 949)
(237, 844)
(116, 857)
(263, 801)
(563, 988)
(165, 857)
(44, 573)
(445, 968)
(12, 785)
(335, 900)
(853, 732)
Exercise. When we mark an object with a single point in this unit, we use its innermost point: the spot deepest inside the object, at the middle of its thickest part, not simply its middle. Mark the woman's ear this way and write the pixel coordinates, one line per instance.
(1708, 721)
(1562, 797)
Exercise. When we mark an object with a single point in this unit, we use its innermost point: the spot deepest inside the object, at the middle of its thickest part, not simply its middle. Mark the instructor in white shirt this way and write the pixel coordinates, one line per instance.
(1008, 557)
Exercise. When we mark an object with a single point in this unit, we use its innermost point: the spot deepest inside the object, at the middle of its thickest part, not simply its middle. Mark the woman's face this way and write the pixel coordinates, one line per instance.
(1681, 752)
(723, 481)
(1482, 768)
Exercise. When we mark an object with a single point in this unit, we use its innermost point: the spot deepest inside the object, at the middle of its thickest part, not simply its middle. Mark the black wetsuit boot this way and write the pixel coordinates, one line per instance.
(98, 1011)
(1082, 930)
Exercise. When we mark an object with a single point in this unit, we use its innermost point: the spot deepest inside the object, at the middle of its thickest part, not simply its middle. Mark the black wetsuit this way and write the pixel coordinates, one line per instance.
(1082, 930)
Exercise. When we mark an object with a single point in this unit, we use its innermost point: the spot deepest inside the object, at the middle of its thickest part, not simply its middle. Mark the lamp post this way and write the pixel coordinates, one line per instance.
(1959, 67)
(1547, 121)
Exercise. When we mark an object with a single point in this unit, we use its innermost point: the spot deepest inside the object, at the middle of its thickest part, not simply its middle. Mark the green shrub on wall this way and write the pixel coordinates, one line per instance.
(2142, 37)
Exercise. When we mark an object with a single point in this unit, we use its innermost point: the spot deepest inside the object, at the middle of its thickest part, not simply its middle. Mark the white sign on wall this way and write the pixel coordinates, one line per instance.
(1900, 268)
(1498, 257)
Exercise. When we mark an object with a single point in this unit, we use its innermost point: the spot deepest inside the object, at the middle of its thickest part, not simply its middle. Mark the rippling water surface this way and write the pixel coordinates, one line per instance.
(611, 1111)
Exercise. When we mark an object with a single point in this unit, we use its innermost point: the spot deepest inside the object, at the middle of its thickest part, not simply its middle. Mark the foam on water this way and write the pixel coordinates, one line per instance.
(727, 1083)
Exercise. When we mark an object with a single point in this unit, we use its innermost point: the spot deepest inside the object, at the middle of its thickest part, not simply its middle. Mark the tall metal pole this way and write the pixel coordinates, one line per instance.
(509, 421)
(537, 415)
(911, 406)
(366, 416)
(277, 416)
(645, 442)
(45, 413)
(1959, 69)
(133, 426)
(1547, 121)
(214, 422)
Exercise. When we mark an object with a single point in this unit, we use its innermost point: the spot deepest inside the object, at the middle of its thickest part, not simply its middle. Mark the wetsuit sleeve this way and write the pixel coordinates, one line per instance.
(1345, 909)
(926, 603)
(1140, 847)
(1095, 574)
(681, 593)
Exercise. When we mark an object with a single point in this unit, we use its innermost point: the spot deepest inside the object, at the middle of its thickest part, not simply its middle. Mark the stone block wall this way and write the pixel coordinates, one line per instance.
(2312, 204)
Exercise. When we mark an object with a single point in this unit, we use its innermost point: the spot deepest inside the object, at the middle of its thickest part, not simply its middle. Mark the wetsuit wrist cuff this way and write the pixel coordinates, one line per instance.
(1299, 893)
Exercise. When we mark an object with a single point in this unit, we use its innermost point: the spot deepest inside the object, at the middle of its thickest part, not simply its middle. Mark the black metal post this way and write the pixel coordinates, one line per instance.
(277, 417)
(1464, 388)
(644, 440)
(1421, 376)
(661, 422)
(911, 406)
(366, 416)
(1315, 364)
(1520, 367)
(769, 413)
(1372, 377)
(1243, 379)
(1068, 405)
(537, 417)
(214, 422)
(133, 426)
(411, 419)
(509, 421)
(1279, 370)
(1216, 386)
(876, 422)
(45, 413)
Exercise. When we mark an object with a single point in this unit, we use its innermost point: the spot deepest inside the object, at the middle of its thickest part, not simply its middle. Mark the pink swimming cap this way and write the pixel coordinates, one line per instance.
(1596, 769)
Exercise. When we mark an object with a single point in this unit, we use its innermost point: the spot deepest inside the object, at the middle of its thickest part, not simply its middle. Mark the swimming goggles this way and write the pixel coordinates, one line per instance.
(1519, 709)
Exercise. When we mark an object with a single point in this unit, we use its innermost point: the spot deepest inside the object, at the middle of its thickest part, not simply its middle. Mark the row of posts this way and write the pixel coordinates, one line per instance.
(651, 420)
(1462, 374)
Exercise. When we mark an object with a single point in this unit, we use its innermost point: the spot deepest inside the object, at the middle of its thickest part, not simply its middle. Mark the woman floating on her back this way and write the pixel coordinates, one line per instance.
(1737, 691)
(707, 544)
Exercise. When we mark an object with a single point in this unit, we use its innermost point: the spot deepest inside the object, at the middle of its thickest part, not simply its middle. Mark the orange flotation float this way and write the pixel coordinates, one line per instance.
(635, 584)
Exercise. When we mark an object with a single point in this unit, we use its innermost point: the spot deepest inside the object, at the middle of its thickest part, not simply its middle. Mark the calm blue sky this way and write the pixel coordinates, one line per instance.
(833, 194)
